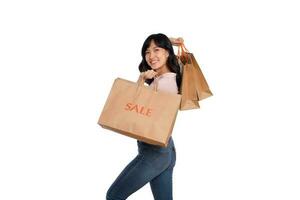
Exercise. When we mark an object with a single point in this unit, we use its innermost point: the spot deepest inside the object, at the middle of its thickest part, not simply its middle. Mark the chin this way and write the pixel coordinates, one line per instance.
(155, 67)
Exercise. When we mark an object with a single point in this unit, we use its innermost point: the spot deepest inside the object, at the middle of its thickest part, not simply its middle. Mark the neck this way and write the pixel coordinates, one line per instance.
(162, 70)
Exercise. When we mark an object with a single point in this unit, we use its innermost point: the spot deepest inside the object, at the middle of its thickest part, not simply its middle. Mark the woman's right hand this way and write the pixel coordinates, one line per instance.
(149, 74)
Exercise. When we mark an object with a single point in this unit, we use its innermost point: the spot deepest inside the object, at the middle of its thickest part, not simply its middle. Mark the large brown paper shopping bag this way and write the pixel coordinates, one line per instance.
(189, 99)
(140, 112)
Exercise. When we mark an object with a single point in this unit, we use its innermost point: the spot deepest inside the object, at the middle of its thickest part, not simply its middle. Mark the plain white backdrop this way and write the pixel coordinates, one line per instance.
(58, 61)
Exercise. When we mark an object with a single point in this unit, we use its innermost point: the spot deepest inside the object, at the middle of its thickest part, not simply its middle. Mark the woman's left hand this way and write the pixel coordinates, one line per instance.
(176, 41)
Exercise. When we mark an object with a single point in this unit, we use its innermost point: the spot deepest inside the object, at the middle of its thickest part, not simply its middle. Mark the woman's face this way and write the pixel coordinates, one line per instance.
(156, 57)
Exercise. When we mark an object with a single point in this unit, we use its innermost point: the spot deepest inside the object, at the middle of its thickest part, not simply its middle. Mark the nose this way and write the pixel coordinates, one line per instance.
(151, 55)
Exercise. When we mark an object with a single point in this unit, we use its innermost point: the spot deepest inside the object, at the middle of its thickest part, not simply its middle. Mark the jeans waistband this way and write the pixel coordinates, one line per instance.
(143, 145)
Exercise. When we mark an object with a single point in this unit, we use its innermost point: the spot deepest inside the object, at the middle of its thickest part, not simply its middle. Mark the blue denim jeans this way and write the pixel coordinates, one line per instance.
(153, 164)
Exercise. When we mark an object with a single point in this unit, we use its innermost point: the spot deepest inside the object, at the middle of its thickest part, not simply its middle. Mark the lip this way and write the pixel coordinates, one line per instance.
(153, 62)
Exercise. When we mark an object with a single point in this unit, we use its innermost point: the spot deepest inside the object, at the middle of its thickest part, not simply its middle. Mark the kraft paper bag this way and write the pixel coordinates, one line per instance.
(189, 99)
(140, 112)
(201, 85)
(194, 86)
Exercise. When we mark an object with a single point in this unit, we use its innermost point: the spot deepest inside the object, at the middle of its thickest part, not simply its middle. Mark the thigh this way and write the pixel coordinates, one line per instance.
(127, 183)
(162, 185)
(137, 173)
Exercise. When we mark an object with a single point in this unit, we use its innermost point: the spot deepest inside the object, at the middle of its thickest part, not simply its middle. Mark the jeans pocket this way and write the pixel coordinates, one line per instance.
(174, 155)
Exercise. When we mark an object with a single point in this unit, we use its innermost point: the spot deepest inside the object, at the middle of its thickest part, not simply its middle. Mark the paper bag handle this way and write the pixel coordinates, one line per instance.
(181, 49)
(141, 82)
(183, 52)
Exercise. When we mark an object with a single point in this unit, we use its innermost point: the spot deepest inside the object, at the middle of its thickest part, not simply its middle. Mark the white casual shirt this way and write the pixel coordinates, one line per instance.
(166, 82)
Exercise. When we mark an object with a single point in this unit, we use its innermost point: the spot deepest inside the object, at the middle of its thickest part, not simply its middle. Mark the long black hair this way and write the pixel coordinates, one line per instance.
(164, 42)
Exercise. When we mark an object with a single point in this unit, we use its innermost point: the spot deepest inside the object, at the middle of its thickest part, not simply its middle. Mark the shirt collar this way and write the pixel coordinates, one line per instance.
(167, 74)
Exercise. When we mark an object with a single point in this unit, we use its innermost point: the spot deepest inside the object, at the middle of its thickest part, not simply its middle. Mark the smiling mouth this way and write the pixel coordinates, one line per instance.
(154, 62)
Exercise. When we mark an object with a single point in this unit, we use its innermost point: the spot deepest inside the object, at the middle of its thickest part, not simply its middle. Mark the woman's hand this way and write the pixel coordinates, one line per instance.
(176, 41)
(149, 74)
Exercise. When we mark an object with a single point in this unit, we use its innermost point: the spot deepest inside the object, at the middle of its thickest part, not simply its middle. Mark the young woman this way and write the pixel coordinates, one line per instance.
(153, 163)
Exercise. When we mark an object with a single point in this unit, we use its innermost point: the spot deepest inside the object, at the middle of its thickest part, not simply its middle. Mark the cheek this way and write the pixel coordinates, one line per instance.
(166, 55)
(165, 58)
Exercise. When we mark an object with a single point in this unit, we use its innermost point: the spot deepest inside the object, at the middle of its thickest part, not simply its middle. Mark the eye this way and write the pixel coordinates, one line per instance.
(147, 52)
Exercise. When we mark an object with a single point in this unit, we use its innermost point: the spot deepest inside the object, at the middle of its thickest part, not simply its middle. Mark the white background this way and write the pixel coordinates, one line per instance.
(58, 61)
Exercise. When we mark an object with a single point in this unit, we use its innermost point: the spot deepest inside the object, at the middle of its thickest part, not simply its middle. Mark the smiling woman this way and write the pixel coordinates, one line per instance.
(159, 58)
(153, 164)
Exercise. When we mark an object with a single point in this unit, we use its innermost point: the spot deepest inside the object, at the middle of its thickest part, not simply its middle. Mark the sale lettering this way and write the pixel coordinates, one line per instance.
(138, 109)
